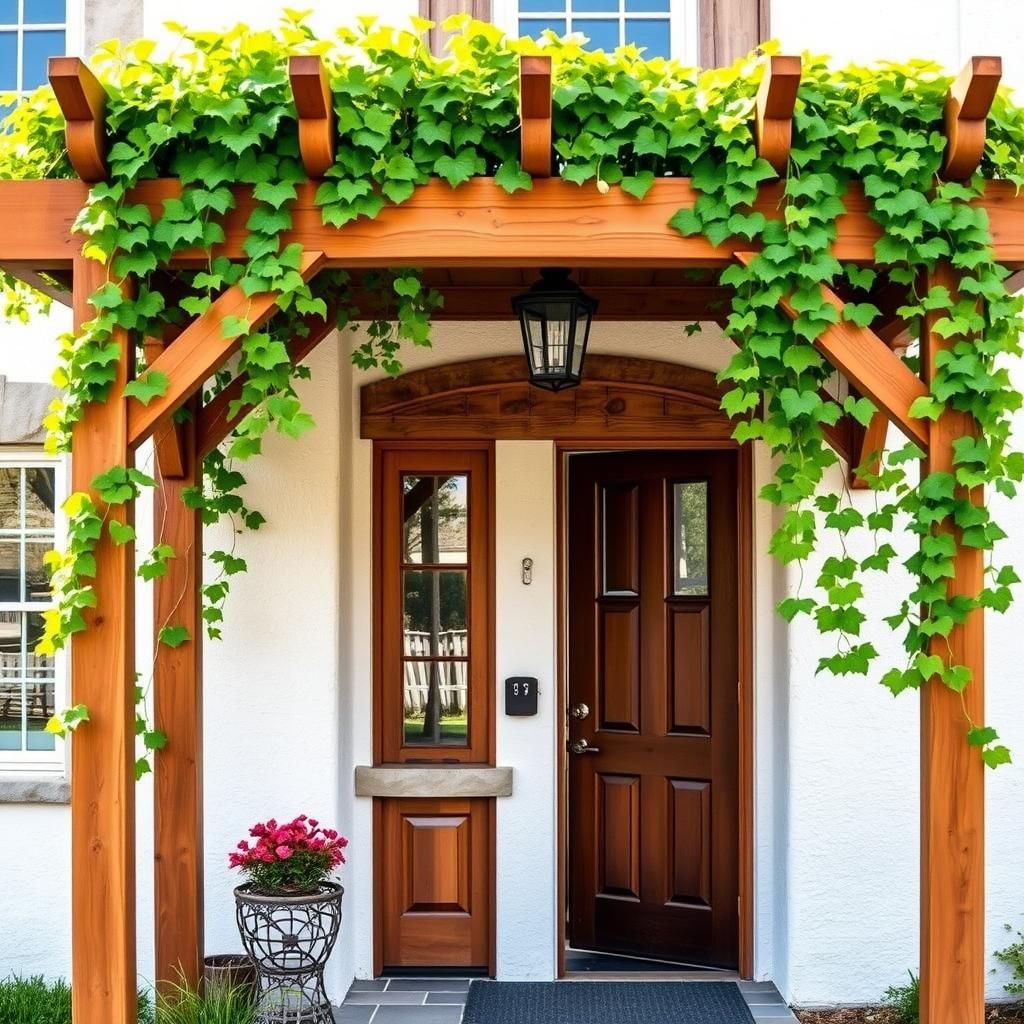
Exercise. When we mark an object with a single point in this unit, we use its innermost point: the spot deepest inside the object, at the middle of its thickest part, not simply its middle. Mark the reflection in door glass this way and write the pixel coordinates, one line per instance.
(690, 538)
(434, 518)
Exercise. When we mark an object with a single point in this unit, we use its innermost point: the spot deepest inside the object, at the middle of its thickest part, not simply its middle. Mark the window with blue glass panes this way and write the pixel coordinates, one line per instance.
(606, 23)
(31, 32)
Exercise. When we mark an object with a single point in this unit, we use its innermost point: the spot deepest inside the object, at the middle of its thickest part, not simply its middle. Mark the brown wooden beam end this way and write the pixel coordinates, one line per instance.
(314, 104)
(952, 772)
(103, 957)
(178, 713)
(201, 349)
(535, 115)
(776, 101)
(215, 419)
(83, 102)
(967, 106)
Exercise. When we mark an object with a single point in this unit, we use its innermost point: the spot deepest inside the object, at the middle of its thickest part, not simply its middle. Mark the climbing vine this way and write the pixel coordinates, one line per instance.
(217, 113)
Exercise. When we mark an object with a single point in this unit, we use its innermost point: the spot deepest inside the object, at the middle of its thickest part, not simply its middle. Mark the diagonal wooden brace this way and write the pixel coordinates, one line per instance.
(215, 418)
(201, 349)
(967, 106)
(314, 104)
(535, 116)
(869, 364)
(82, 101)
(169, 441)
(776, 101)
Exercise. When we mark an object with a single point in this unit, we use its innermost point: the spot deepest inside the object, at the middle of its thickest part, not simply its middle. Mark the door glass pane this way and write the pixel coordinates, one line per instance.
(436, 703)
(434, 519)
(434, 613)
(690, 537)
(44, 12)
(37, 49)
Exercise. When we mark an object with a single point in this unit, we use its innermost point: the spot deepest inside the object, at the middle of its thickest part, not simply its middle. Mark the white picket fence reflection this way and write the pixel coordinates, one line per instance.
(452, 674)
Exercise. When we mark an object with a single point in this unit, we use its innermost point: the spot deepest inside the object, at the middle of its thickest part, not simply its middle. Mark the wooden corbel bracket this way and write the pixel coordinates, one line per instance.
(314, 104)
(776, 101)
(535, 115)
(83, 102)
(967, 106)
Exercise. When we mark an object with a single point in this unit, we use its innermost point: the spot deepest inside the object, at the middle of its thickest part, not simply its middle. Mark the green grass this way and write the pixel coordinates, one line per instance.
(219, 1004)
(37, 1001)
(454, 729)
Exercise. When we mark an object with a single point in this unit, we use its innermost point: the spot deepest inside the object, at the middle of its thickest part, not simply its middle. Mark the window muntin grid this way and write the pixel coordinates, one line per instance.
(665, 28)
(31, 31)
(31, 685)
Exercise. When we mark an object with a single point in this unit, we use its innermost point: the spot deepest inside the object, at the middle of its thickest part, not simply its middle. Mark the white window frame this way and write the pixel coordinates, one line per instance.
(41, 761)
(72, 26)
(682, 14)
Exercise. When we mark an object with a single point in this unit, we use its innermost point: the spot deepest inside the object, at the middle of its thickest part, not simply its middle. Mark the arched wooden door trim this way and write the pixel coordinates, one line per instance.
(620, 399)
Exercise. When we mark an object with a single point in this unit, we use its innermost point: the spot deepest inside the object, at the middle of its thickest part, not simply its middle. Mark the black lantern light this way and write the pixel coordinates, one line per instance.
(555, 317)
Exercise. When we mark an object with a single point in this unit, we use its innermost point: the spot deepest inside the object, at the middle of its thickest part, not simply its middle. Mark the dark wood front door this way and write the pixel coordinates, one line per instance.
(653, 661)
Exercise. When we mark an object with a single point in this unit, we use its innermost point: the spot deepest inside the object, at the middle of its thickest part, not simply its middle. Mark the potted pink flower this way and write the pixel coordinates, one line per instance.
(289, 913)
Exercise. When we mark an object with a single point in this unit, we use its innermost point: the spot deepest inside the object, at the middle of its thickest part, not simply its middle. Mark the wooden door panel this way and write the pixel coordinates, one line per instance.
(689, 834)
(689, 660)
(433, 859)
(618, 704)
(619, 828)
(653, 652)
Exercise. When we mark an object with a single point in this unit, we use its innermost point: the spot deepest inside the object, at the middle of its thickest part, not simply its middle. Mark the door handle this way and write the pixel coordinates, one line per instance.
(583, 747)
(579, 711)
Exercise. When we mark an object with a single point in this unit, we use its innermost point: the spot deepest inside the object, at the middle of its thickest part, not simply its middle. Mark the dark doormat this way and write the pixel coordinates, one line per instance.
(605, 1002)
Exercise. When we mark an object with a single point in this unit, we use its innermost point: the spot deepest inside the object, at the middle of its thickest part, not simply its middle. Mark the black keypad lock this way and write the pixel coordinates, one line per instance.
(520, 695)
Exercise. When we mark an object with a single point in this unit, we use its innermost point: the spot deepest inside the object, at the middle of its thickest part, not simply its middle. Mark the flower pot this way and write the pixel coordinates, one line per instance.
(230, 970)
(289, 940)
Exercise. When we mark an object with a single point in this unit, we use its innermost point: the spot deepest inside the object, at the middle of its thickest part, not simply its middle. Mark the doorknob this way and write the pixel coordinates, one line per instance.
(579, 711)
(583, 747)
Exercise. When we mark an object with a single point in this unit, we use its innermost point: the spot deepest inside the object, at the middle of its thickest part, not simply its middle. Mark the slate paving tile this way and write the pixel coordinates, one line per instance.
(385, 998)
(429, 985)
(447, 997)
(368, 985)
(353, 1014)
(418, 1015)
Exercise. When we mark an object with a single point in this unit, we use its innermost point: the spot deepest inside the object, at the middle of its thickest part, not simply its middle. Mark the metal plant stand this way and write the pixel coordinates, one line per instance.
(290, 939)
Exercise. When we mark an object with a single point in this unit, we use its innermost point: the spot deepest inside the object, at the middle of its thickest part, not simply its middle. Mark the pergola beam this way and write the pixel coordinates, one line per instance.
(314, 104)
(776, 101)
(201, 349)
(83, 102)
(535, 116)
(478, 224)
(967, 106)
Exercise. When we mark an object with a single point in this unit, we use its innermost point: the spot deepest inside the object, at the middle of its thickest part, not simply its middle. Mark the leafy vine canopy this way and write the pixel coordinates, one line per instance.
(215, 110)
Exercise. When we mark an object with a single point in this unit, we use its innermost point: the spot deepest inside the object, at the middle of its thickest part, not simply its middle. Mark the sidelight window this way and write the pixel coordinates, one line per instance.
(434, 606)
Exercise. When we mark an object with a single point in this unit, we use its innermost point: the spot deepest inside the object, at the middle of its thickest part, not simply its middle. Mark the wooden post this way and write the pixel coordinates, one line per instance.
(103, 972)
(178, 712)
(776, 101)
(952, 773)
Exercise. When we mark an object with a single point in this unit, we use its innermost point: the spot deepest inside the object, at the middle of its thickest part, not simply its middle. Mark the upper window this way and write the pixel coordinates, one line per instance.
(434, 591)
(28, 681)
(31, 32)
(662, 28)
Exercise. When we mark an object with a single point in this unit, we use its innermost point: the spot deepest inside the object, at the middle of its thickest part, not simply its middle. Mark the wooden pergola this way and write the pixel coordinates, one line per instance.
(476, 244)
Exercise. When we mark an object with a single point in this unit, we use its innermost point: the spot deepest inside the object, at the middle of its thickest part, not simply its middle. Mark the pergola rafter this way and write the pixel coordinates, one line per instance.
(475, 226)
